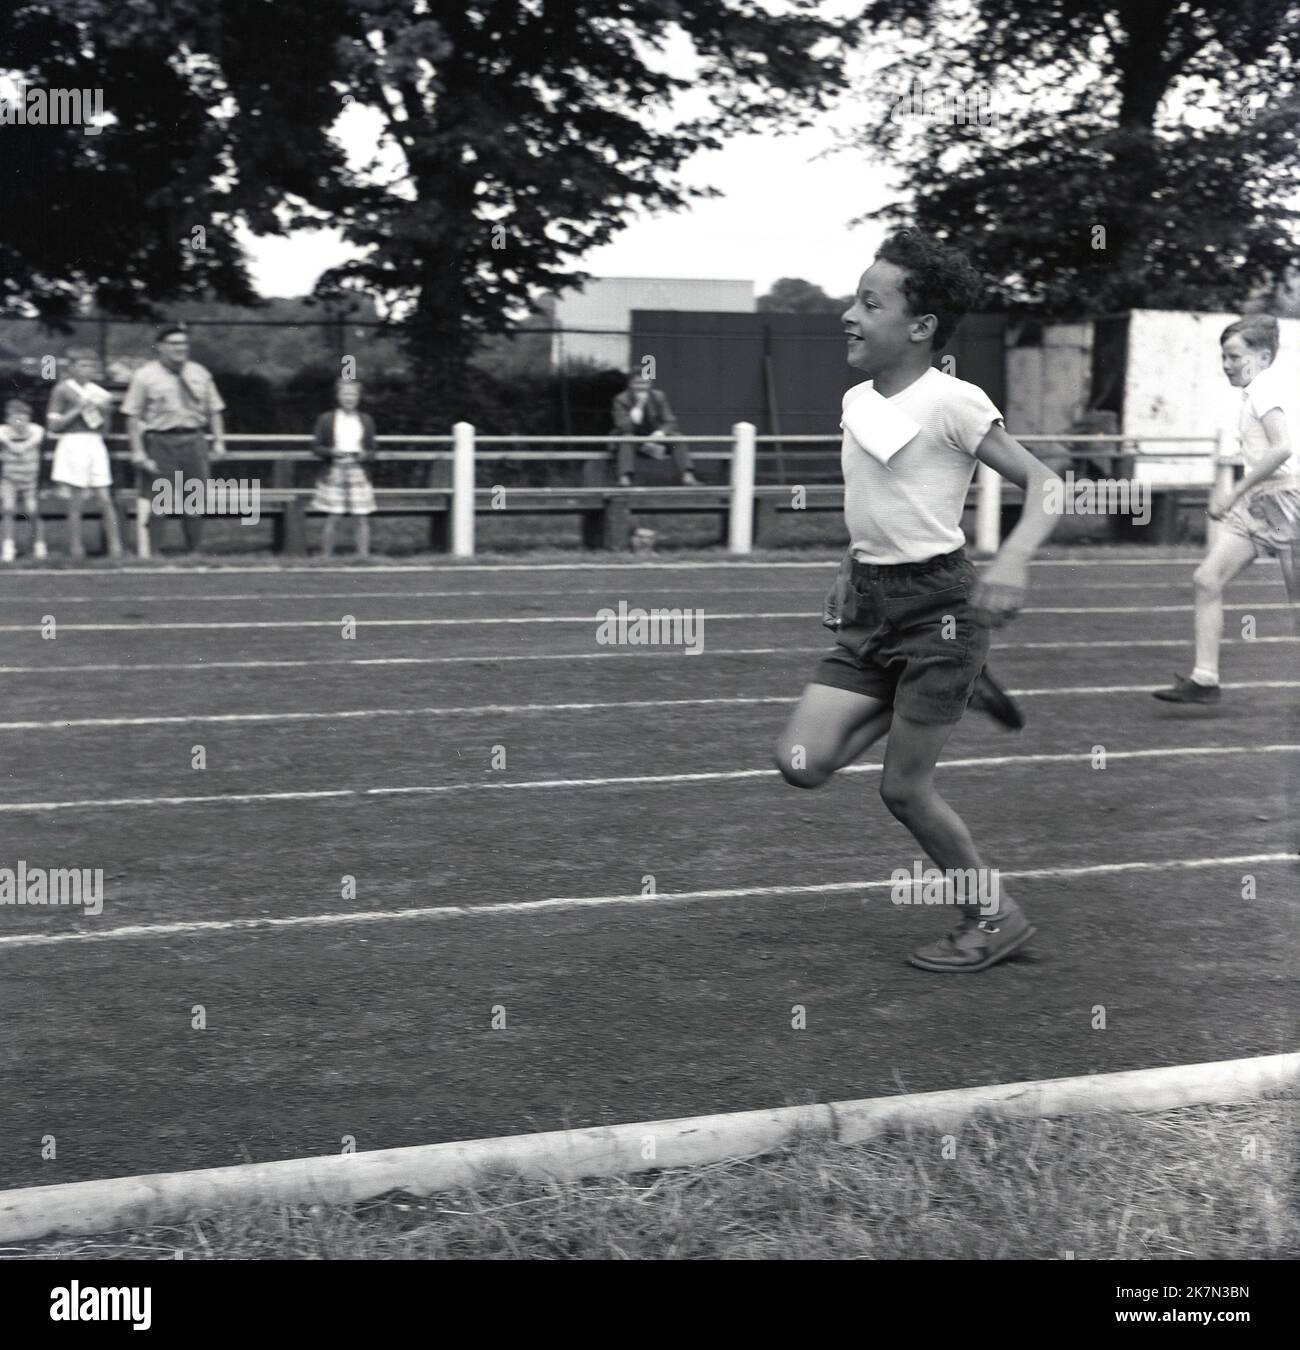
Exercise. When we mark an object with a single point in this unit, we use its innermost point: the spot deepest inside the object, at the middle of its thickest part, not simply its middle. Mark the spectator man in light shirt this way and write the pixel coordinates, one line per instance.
(171, 406)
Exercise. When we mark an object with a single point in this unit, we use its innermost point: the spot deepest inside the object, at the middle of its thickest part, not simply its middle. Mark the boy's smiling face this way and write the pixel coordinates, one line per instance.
(879, 324)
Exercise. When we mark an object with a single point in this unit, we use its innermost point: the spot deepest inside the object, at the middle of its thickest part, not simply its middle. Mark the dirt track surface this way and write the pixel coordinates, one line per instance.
(371, 1017)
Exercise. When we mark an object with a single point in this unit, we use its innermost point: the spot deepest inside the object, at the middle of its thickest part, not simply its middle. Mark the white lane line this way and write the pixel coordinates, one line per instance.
(622, 654)
(498, 593)
(379, 569)
(475, 710)
(508, 908)
(629, 780)
(492, 620)
(180, 598)
(511, 709)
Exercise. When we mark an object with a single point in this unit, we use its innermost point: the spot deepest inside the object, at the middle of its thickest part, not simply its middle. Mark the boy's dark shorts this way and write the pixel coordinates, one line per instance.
(909, 637)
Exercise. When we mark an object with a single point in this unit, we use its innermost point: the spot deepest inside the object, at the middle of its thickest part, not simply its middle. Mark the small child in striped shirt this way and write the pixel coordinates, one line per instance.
(20, 471)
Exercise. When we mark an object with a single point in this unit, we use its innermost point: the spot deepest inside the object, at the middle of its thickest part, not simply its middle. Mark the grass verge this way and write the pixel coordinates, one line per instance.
(1210, 1183)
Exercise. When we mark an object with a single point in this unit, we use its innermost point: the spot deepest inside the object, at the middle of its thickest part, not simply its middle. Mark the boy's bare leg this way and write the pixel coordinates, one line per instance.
(907, 789)
(37, 524)
(1230, 555)
(108, 514)
(992, 925)
(1290, 560)
(827, 730)
(76, 548)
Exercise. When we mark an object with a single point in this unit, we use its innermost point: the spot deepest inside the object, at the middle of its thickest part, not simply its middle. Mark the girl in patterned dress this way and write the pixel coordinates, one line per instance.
(345, 439)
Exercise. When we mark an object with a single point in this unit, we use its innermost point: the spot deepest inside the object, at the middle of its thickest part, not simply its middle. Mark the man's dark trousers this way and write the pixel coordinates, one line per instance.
(173, 451)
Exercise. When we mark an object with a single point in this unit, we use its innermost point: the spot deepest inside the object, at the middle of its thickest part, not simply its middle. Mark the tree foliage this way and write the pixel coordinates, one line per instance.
(794, 295)
(1097, 155)
(512, 136)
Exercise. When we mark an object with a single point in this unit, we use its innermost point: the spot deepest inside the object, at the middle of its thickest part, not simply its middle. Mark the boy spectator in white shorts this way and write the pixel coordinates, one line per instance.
(78, 412)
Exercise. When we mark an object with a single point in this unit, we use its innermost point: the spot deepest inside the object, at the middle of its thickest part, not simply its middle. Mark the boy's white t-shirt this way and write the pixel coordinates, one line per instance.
(911, 509)
(1268, 390)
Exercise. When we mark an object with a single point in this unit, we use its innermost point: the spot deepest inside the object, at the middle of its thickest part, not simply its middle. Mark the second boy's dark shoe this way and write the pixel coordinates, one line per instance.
(976, 943)
(1188, 691)
(990, 697)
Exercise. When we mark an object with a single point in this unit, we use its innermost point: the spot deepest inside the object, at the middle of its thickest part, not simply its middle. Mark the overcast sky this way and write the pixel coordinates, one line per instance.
(784, 212)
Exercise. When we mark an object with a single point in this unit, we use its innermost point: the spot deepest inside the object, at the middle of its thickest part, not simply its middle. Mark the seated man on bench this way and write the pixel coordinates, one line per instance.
(643, 412)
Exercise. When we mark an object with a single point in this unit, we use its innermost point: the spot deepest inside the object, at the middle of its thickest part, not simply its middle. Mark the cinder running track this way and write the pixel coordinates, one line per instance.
(585, 845)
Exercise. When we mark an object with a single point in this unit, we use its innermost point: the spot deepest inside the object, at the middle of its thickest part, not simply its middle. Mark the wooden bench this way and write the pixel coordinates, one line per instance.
(602, 511)
(1167, 505)
(608, 514)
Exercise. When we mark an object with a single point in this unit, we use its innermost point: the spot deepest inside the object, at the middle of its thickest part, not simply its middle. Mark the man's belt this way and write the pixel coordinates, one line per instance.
(177, 431)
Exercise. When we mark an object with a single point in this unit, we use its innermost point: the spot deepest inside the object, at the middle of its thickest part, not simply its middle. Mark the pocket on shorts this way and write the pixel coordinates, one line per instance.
(921, 607)
(859, 606)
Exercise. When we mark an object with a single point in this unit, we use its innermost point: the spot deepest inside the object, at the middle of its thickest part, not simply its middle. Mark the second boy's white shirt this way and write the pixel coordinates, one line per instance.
(1268, 390)
(911, 509)
(97, 397)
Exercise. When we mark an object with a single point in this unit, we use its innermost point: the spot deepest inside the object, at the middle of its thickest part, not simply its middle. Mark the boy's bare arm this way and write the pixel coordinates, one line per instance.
(1279, 451)
(58, 421)
(1002, 586)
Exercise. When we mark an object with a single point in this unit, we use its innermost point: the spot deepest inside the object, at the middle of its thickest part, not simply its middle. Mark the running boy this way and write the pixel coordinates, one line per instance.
(1261, 515)
(345, 439)
(20, 471)
(914, 630)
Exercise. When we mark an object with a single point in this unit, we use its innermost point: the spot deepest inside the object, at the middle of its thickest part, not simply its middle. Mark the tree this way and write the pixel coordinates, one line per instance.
(513, 136)
(1098, 155)
(794, 295)
(528, 131)
(210, 125)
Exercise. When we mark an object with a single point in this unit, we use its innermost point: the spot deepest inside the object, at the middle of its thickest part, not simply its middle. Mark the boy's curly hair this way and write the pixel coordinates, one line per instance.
(940, 280)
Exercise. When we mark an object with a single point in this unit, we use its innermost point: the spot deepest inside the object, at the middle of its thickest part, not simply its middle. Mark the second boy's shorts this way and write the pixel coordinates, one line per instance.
(909, 637)
(1269, 518)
